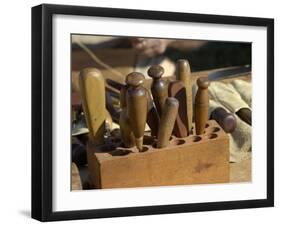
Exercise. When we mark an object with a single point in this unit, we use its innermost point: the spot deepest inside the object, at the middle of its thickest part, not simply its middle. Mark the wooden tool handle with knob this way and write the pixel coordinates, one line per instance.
(201, 105)
(92, 89)
(167, 121)
(159, 87)
(183, 74)
(127, 135)
(137, 105)
(226, 120)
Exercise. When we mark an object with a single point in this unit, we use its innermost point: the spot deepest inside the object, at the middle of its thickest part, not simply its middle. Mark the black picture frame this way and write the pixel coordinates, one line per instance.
(42, 107)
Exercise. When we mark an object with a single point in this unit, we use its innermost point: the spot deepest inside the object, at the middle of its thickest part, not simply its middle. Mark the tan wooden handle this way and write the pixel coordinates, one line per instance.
(92, 88)
(127, 135)
(183, 74)
(201, 105)
(137, 106)
(167, 121)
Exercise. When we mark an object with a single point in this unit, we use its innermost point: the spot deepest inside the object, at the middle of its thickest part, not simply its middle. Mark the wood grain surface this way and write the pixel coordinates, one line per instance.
(193, 160)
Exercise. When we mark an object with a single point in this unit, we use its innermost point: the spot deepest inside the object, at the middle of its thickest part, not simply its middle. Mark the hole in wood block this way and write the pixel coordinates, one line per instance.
(196, 139)
(177, 142)
(212, 136)
(215, 129)
(144, 149)
(120, 152)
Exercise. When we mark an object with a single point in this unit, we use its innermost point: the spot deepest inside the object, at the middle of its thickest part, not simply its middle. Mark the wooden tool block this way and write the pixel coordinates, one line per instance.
(195, 159)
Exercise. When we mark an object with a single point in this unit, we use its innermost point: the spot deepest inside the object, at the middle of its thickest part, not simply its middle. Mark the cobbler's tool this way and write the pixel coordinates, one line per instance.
(226, 120)
(159, 87)
(246, 115)
(183, 74)
(92, 88)
(137, 106)
(201, 105)
(167, 121)
(152, 116)
(178, 91)
(127, 135)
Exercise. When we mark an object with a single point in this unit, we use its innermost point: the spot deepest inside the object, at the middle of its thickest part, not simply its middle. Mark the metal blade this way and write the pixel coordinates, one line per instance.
(230, 73)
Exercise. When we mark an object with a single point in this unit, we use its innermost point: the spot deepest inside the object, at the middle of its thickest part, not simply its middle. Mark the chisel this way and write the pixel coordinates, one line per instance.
(178, 91)
(92, 89)
(167, 121)
(183, 74)
(201, 105)
(159, 87)
(137, 106)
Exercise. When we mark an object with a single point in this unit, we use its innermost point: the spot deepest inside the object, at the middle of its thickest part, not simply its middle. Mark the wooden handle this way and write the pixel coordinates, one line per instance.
(126, 132)
(183, 74)
(137, 105)
(123, 92)
(201, 105)
(159, 87)
(226, 120)
(178, 91)
(92, 89)
(246, 115)
(153, 118)
(167, 121)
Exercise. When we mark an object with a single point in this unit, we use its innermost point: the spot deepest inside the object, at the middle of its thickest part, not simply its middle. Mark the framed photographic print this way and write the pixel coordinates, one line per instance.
(146, 112)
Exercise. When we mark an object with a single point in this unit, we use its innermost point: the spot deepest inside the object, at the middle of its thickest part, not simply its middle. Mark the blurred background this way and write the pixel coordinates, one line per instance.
(202, 55)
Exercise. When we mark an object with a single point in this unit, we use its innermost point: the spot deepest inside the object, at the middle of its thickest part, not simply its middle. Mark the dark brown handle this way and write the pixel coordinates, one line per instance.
(178, 91)
(246, 115)
(152, 116)
(226, 120)
(127, 135)
(159, 87)
(137, 104)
